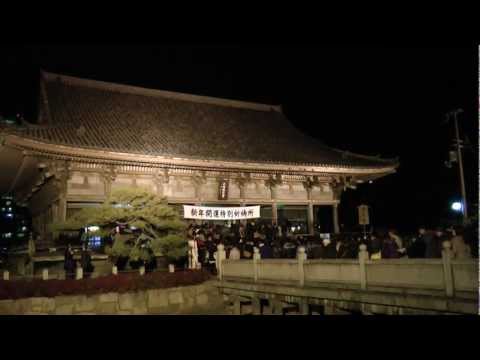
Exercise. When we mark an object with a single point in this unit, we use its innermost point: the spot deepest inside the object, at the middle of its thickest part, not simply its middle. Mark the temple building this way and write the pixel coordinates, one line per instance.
(92, 137)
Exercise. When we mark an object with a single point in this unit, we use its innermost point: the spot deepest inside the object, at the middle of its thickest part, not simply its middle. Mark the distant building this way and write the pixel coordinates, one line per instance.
(14, 223)
(94, 136)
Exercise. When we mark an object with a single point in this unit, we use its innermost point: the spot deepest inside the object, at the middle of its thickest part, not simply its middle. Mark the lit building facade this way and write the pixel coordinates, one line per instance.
(14, 223)
(93, 137)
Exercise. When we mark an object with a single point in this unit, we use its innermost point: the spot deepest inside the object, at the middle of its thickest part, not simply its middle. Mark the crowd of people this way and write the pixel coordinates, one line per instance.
(240, 240)
(427, 243)
(272, 241)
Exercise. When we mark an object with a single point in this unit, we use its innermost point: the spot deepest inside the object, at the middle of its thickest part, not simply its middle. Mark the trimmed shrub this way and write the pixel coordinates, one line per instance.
(17, 289)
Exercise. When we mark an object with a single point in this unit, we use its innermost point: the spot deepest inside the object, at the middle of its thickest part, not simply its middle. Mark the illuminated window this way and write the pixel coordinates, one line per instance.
(95, 242)
(8, 203)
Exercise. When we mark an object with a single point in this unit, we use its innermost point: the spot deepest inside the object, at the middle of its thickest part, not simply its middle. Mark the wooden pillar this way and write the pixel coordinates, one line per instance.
(311, 219)
(274, 213)
(55, 211)
(336, 228)
(159, 186)
(62, 208)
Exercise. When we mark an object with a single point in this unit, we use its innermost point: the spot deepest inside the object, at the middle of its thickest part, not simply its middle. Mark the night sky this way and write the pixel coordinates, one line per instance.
(369, 100)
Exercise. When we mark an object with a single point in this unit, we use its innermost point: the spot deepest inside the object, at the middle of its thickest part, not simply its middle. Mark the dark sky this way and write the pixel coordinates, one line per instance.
(370, 100)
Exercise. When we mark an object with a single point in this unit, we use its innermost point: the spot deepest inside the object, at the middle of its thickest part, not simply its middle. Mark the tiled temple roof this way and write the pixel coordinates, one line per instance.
(103, 116)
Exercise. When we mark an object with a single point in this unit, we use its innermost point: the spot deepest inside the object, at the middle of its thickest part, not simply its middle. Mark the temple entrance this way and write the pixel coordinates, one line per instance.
(323, 219)
(293, 219)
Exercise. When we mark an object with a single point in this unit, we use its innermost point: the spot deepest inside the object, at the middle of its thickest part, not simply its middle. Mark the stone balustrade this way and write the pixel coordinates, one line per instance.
(423, 281)
(429, 274)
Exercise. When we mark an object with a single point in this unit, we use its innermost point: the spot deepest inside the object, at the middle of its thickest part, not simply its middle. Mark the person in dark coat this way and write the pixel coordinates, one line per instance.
(249, 231)
(349, 248)
(69, 264)
(86, 261)
(417, 247)
(375, 244)
(326, 250)
(316, 251)
(266, 251)
(329, 250)
(437, 243)
(269, 233)
(211, 248)
(248, 249)
(341, 249)
(277, 250)
(289, 249)
(201, 245)
(390, 249)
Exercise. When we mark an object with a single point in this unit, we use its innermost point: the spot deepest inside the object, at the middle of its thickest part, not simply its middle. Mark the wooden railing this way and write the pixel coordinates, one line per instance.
(443, 277)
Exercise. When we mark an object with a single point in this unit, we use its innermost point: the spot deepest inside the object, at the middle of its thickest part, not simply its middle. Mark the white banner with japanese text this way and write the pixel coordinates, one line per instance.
(221, 213)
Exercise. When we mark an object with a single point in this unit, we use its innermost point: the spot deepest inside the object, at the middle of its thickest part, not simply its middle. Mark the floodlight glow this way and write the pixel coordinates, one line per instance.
(457, 206)
(93, 228)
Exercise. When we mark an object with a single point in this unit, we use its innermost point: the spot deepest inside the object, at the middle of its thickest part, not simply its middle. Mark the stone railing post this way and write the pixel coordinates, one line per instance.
(142, 270)
(79, 273)
(221, 255)
(6, 275)
(114, 270)
(256, 258)
(304, 307)
(362, 258)
(237, 306)
(301, 257)
(256, 306)
(45, 274)
(447, 268)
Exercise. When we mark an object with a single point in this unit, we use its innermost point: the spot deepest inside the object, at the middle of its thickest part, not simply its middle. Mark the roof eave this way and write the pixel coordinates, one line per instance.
(156, 160)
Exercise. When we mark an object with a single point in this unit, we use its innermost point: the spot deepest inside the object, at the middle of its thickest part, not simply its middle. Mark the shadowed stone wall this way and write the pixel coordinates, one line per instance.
(198, 299)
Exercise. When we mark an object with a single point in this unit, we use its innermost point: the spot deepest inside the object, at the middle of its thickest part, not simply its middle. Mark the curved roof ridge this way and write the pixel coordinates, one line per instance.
(366, 157)
(131, 89)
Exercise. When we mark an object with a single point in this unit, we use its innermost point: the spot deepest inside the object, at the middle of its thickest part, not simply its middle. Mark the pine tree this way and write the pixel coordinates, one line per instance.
(156, 223)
